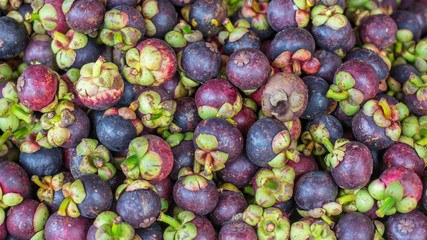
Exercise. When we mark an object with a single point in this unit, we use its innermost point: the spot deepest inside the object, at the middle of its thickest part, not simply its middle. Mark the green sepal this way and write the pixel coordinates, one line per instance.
(77, 192)
(207, 142)
(40, 217)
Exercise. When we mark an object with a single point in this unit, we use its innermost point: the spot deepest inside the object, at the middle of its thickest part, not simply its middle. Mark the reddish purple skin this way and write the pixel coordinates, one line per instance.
(201, 201)
(138, 206)
(244, 120)
(66, 228)
(411, 225)
(14, 179)
(403, 155)
(281, 14)
(238, 172)
(183, 156)
(351, 43)
(373, 59)
(366, 131)
(205, 230)
(415, 106)
(379, 30)
(166, 19)
(66, 156)
(314, 189)
(181, 3)
(229, 138)
(305, 165)
(355, 170)
(365, 76)
(62, 25)
(160, 146)
(248, 40)
(203, 12)
(215, 93)
(164, 188)
(186, 115)
(330, 39)
(229, 204)
(99, 196)
(355, 225)
(419, 9)
(407, 20)
(86, 16)
(252, 75)
(39, 50)
(329, 62)
(114, 3)
(343, 118)
(171, 86)
(237, 230)
(411, 182)
(3, 231)
(19, 219)
(79, 129)
(372, 213)
(291, 39)
(36, 87)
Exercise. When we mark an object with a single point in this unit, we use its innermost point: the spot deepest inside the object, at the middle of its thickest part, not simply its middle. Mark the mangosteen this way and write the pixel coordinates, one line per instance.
(186, 117)
(270, 223)
(408, 26)
(153, 232)
(44, 162)
(355, 226)
(207, 16)
(155, 107)
(308, 227)
(304, 165)
(160, 17)
(60, 227)
(110, 225)
(39, 51)
(84, 16)
(46, 16)
(410, 225)
(329, 62)
(284, 14)
(14, 183)
(244, 120)
(238, 36)
(183, 153)
(317, 104)
(14, 38)
(230, 202)
(130, 94)
(255, 12)
(235, 230)
(402, 154)
(379, 30)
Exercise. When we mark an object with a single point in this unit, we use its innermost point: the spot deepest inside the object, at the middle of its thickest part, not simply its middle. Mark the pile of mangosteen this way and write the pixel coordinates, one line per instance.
(213, 119)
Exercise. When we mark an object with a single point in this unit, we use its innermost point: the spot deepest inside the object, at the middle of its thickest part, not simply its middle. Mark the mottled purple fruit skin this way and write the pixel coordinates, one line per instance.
(259, 139)
(229, 204)
(248, 40)
(14, 36)
(79, 129)
(205, 230)
(251, 75)
(87, 54)
(305, 165)
(229, 138)
(281, 14)
(415, 106)
(183, 156)
(86, 16)
(366, 131)
(114, 3)
(130, 94)
(14, 179)
(379, 30)
(115, 132)
(153, 232)
(407, 20)
(402, 72)
(424, 198)
(331, 123)
(318, 104)
(58, 196)
(419, 9)
(139, 207)
(238, 172)
(244, 120)
(166, 18)
(314, 189)
(44, 162)
(99, 196)
(3, 231)
(39, 51)
(372, 58)
(201, 62)
(355, 225)
(186, 116)
(411, 226)
(355, 170)
(329, 62)
(202, 12)
(181, 3)
(291, 39)
(66, 228)
(237, 230)
(215, 93)
(164, 188)
(401, 154)
(330, 39)
(200, 201)
(19, 219)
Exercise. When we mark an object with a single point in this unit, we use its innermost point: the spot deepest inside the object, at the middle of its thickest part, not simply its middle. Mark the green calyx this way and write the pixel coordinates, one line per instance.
(273, 224)
(281, 145)
(252, 215)
(208, 155)
(11, 111)
(138, 157)
(336, 152)
(274, 185)
(48, 185)
(9, 200)
(101, 73)
(332, 17)
(324, 212)
(384, 115)
(110, 226)
(40, 218)
(226, 111)
(355, 200)
(411, 51)
(302, 14)
(414, 133)
(74, 194)
(311, 229)
(6, 72)
(64, 46)
(96, 159)
(156, 112)
(233, 32)
(349, 98)
(416, 85)
(310, 146)
(176, 138)
(149, 10)
(391, 199)
(130, 185)
(180, 226)
(182, 34)
(48, 17)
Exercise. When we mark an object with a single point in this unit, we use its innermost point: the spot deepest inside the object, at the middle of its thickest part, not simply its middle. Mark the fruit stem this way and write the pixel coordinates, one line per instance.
(4, 137)
(62, 211)
(184, 27)
(97, 66)
(386, 108)
(208, 164)
(387, 205)
(196, 167)
(345, 199)
(228, 25)
(169, 220)
(62, 38)
(30, 17)
(39, 183)
(19, 113)
(115, 229)
(129, 163)
(337, 95)
(118, 40)
(309, 148)
(289, 155)
(329, 146)
(408, 56)
(327, 220)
